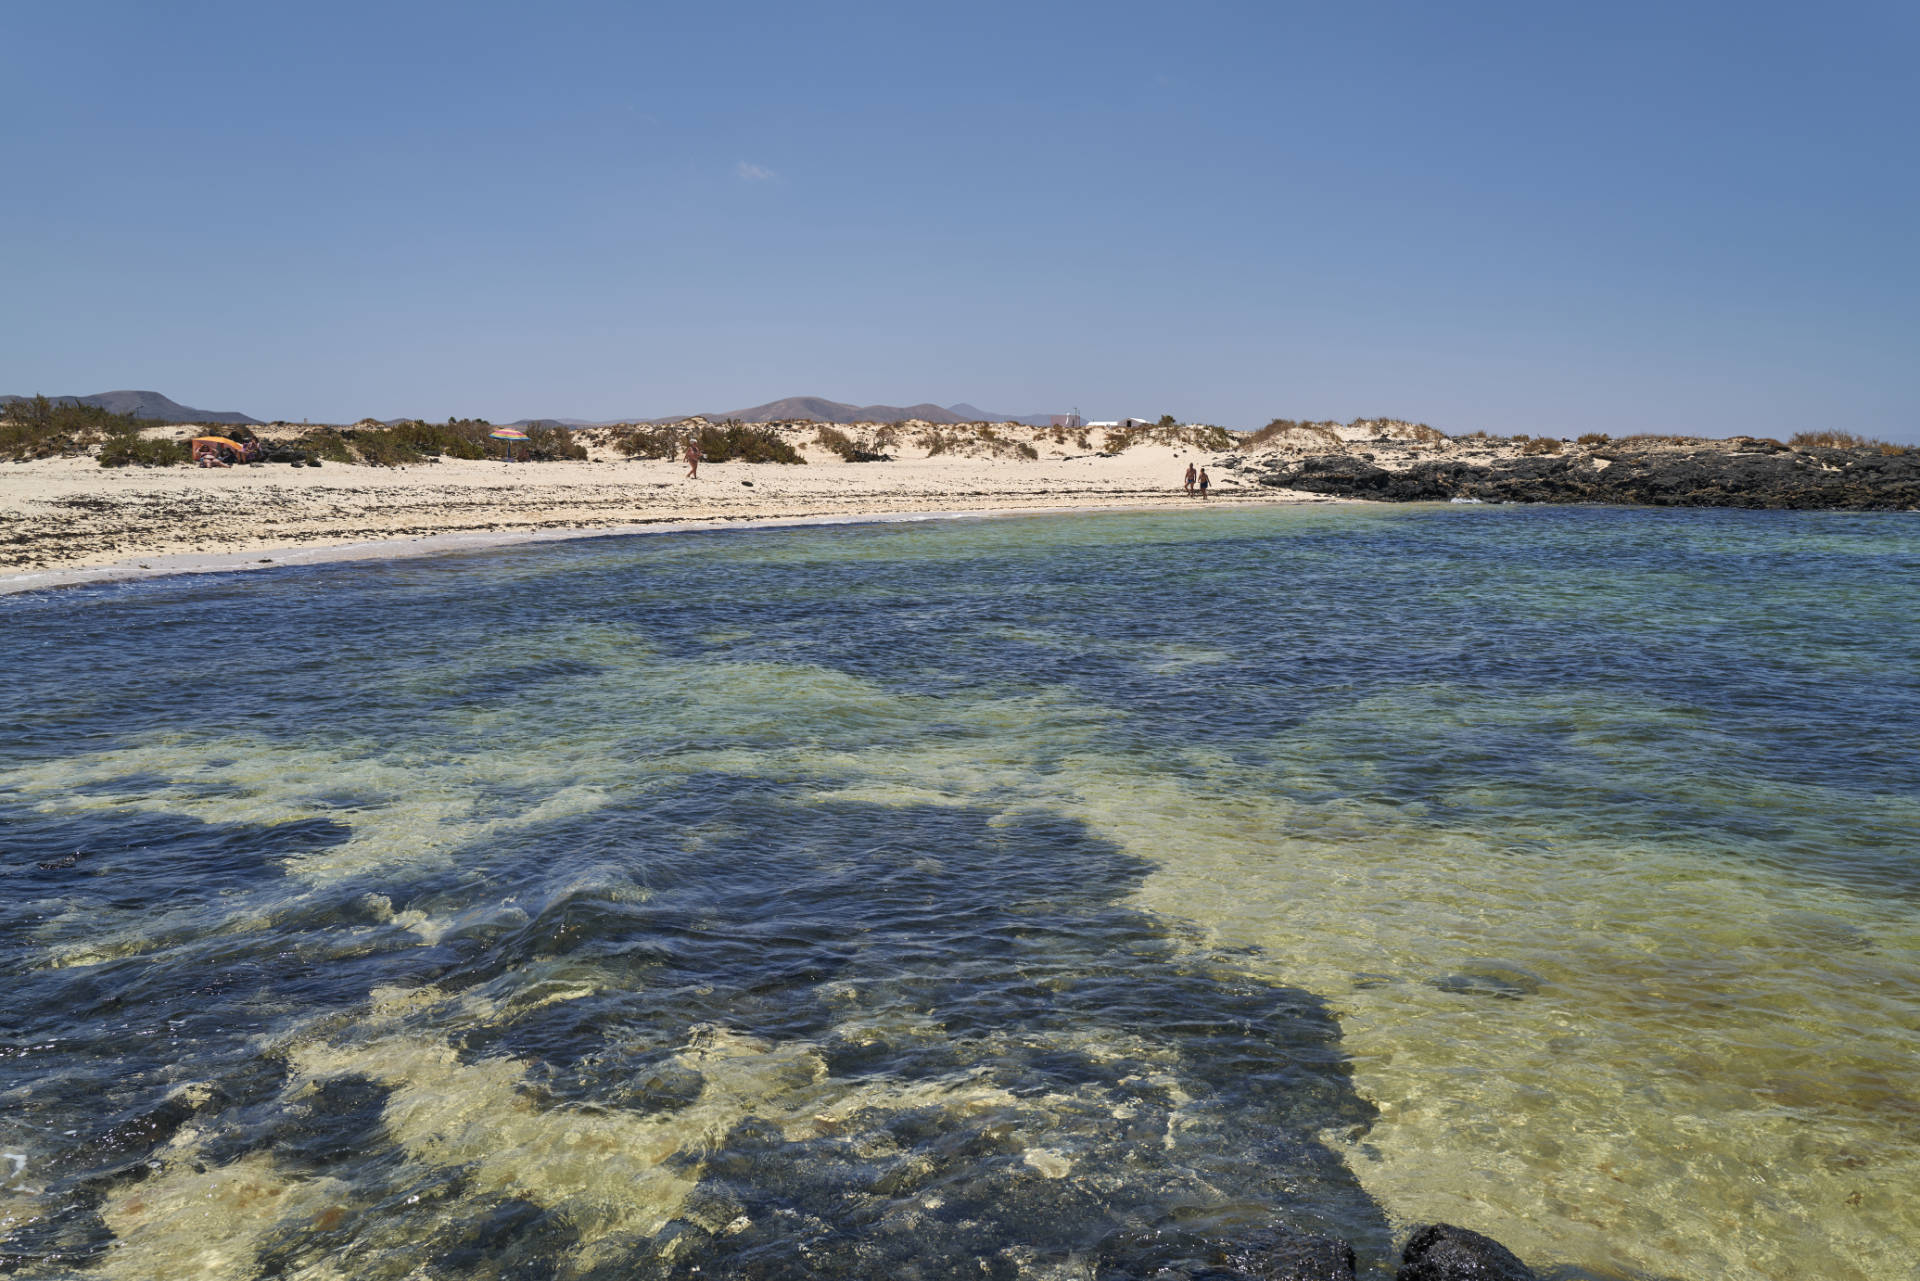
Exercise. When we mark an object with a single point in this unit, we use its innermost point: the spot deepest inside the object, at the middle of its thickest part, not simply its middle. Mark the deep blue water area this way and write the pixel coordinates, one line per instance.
(1042, 896)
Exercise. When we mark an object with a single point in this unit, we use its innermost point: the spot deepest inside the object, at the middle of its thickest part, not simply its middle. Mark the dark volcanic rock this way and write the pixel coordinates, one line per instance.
(1442, 1252)
(1767, 476)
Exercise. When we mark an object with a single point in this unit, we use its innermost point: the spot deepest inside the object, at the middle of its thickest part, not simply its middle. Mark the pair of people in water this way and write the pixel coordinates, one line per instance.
(1198, 481)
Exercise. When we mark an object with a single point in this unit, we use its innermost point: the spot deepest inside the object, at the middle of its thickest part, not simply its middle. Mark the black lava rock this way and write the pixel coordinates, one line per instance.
(1763, 477)
(1442, 1252)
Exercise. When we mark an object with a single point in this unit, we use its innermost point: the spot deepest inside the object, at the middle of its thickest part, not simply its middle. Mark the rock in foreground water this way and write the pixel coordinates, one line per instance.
(1442, 1252)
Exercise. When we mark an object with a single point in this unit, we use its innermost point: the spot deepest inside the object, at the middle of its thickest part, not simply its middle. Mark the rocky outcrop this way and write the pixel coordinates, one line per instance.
(1442, 1252)
(1436, 1252)
(1764, 476)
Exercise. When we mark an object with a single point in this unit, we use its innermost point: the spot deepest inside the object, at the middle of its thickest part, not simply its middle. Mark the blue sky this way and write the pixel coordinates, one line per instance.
(1516, 217)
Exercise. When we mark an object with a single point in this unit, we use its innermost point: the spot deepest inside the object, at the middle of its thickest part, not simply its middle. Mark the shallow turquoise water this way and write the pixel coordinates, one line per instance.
(1038, 895)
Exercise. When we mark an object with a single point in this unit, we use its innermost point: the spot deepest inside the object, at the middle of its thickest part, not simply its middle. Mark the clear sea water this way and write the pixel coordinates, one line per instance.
(1019, 897)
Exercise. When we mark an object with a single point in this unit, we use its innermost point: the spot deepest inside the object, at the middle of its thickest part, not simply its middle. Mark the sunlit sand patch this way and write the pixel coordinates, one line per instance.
(1691, 1091)
(207, 1223)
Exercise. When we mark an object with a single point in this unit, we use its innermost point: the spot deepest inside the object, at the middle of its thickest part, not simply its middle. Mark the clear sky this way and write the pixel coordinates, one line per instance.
(1535, 217)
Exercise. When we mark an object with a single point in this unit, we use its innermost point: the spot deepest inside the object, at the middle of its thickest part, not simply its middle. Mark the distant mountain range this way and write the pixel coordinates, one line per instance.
(161, 409)
(150, 404)
(821, 410)
(816, 409)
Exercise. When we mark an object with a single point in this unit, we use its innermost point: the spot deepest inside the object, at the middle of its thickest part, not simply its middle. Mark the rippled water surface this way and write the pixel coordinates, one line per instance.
(1054, 897)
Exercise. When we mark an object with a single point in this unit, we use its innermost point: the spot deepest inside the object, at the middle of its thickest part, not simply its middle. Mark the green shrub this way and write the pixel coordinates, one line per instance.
(856, 451)
(740, 443)
(456, 438)
(328, 443)
(836, 441)
(731, 442)
(41, 428)
(128, 449)
(552, 445)
(648, 442)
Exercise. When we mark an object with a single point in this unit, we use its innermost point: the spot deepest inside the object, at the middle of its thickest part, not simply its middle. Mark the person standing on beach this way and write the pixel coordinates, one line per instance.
(693, 458)
(1205, 482)
(1190, 478)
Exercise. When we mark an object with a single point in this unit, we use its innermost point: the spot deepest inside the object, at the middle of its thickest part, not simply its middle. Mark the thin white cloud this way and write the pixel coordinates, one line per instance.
(752, 173)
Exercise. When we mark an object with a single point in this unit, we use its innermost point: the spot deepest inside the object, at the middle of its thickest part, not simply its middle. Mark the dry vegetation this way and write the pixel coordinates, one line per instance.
(41, 428)
(869, 447)
(1289, 431)
(1841, 440)
(971, 440)
(729, 442)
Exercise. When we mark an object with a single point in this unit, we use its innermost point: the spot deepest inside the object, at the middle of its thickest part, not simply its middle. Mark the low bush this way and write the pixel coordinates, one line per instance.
(1593, 438)
(730, 442)
(1841, 440)
(128, 449)
(552, 445)
(399, 444)
(742, 443)
(37, 427)
(327, 443)
(1540, 445)
(648, 442)
(1295, 432)
(851, 450)
(456, 438)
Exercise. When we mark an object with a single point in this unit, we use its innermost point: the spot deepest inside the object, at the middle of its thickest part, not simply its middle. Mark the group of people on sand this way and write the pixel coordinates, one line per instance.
(1198, 481)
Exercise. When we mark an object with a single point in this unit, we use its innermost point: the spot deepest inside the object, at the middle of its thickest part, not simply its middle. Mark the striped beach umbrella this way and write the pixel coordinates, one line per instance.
(508, 434)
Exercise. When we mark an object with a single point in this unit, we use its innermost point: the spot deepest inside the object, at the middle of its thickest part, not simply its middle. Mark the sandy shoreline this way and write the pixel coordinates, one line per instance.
(68, 521)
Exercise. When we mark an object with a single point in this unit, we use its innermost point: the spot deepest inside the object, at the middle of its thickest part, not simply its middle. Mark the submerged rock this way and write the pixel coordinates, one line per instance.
(1508, 982)
(1442, 1252)
(1270, 1254)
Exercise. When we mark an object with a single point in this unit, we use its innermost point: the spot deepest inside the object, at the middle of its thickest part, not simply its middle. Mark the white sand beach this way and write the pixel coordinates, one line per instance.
(65, 520)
